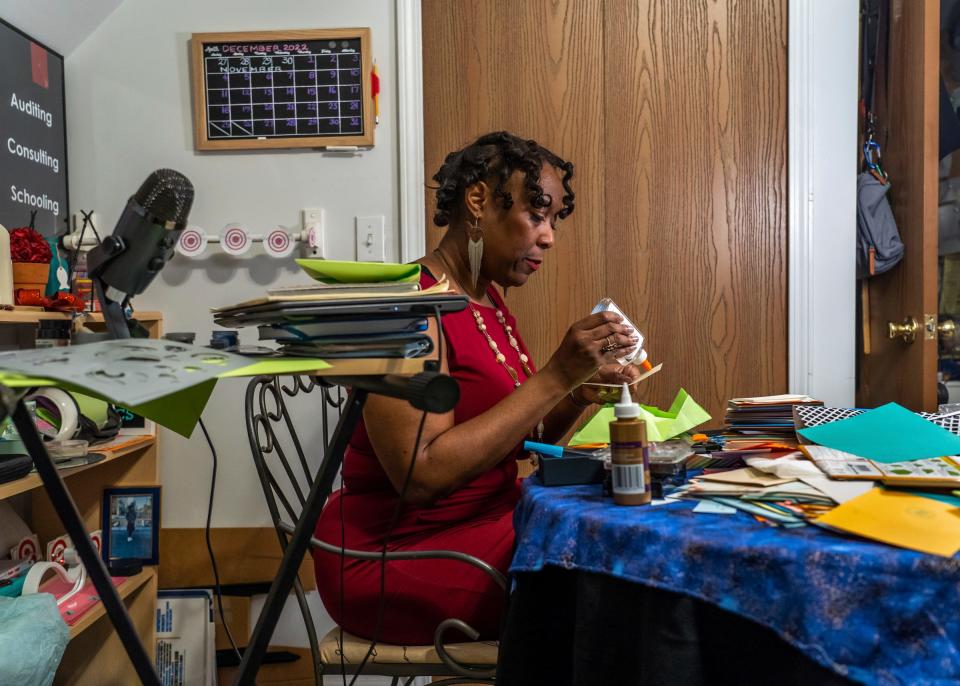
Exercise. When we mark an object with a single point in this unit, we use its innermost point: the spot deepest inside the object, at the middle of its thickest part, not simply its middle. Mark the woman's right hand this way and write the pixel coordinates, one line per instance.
(582, 350)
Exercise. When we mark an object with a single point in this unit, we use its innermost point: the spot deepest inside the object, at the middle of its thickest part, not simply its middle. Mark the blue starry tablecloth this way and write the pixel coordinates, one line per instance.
(873, 613)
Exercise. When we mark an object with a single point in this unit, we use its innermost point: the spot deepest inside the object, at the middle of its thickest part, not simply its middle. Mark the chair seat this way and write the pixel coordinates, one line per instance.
(479, 653)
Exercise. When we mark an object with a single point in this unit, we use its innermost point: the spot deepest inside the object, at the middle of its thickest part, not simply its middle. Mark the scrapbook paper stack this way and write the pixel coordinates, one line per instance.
(763, 424)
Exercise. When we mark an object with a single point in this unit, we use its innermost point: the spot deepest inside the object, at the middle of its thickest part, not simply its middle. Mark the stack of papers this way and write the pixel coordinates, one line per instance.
(350, 310)
(763, 423)
(779, 501)
(897, 447)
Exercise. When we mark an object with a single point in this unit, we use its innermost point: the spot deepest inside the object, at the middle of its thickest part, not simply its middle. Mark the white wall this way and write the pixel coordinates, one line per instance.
(59, 25)
(130, 111)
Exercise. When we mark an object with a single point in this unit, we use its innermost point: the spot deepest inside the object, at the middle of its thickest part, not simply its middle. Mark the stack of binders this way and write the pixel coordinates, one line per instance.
(347, 318)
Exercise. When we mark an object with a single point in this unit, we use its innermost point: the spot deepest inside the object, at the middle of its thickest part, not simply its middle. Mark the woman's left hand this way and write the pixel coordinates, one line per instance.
(607, 374)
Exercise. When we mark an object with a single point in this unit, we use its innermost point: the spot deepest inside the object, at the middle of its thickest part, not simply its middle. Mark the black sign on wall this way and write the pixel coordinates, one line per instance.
(33, 134)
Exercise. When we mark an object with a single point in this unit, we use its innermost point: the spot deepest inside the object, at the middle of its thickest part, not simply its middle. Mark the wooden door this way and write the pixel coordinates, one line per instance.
(896, 370)
(675, 116)
(533, 68)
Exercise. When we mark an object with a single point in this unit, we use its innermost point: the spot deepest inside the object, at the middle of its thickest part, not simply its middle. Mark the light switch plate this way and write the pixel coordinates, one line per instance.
(370, 239)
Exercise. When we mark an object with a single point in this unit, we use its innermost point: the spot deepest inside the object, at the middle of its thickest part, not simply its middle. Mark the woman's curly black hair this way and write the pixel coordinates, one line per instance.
(495, 157)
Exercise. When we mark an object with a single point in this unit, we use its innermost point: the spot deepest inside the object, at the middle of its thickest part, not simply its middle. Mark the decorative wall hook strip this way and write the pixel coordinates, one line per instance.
(236, 240)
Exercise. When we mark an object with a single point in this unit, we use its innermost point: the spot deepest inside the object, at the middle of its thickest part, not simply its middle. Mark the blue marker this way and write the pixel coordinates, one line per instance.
(550, 450)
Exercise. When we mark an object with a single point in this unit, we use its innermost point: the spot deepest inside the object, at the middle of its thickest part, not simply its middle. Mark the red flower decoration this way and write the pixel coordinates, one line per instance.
(26, 245)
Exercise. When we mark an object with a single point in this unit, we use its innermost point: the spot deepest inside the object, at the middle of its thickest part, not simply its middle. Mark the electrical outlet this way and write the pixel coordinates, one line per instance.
(313, 236)
(370, 238)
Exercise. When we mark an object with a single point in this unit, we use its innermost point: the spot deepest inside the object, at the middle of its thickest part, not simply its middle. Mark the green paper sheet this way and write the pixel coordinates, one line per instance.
(334, 271)
(278, 366)
(890, 433)
(683, 415)
(179, 411)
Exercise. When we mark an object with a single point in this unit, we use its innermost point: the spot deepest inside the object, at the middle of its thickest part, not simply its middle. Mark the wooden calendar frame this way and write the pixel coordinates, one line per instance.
(202, 139)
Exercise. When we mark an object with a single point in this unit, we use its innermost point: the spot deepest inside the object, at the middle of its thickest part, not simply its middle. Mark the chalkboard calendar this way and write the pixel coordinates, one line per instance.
(282, 89)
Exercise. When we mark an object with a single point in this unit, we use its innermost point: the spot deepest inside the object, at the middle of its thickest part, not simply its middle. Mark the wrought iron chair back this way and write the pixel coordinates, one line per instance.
(286, 474)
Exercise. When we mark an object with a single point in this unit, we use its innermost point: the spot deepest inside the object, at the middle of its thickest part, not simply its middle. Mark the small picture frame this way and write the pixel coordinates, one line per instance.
(131, 524)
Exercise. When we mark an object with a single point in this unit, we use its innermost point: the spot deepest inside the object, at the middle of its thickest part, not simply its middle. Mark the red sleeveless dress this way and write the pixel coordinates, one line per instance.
(476, 519)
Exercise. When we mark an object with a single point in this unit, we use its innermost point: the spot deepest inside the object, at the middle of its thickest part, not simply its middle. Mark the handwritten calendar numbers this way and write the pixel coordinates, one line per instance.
(217, 81)
(263, 112)
(263, 127)
(349, 76)
(261, 79)
(218, 113)
(286, 127)
(306, 110)
(284, 94)
(305, 78)
(327, 77)
(283, 79)
(283, 89)
(304, 63)
(306, 93)
(218, 96)
(329, 126)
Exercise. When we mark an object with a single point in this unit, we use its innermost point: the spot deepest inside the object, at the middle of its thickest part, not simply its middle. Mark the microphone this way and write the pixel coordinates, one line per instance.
(125, 263)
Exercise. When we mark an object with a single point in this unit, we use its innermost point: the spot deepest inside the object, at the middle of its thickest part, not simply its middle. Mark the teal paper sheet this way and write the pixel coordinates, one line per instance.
(890, 433)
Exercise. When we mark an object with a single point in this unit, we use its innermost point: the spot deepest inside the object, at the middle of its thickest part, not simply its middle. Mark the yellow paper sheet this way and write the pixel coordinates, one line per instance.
(900, 519)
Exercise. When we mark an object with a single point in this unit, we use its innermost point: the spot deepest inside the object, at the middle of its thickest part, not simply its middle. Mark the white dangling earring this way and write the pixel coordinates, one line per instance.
(475, 251)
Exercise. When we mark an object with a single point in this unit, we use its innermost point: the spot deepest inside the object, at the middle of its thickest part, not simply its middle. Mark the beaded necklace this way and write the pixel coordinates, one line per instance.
(500, 357)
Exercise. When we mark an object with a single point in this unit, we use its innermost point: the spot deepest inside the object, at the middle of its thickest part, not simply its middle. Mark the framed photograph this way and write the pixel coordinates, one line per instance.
(131, 524)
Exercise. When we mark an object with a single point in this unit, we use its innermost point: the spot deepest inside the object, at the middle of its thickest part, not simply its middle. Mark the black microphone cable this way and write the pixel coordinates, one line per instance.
(393, 521)
(213, 559)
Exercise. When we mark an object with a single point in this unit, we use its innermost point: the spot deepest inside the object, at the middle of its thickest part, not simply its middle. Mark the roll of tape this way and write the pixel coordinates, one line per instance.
(63, 409)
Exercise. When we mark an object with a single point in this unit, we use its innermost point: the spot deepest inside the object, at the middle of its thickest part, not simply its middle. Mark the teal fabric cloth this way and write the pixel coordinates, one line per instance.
(33, 637)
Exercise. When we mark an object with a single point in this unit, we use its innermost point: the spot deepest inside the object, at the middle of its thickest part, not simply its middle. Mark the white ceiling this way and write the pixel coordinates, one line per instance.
(61, 25)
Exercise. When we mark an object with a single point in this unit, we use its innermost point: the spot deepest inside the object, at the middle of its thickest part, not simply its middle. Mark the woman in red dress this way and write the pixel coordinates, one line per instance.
(502, 198)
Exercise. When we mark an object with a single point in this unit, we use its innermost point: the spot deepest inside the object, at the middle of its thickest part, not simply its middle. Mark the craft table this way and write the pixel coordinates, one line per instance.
(593, 576)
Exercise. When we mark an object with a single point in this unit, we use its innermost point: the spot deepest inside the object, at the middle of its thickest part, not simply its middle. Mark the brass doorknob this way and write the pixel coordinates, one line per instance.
(947, 329)
(907, 331)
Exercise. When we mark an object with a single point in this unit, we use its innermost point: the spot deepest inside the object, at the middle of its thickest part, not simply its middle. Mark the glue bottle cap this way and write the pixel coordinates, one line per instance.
(642, 361)
(626, 408)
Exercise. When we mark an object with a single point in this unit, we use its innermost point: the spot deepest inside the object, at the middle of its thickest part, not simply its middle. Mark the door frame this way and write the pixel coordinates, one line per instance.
(823, 59)
(413, 240)
(822, 40)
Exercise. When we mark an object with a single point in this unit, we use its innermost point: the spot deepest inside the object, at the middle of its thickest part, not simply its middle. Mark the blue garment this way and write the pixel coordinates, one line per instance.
(873, 613)
(33, 637)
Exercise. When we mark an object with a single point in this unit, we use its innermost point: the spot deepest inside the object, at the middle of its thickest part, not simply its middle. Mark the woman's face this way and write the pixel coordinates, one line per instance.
(515, 239)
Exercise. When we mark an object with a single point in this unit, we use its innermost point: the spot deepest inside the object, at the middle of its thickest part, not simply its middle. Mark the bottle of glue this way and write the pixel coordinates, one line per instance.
(628, 452)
